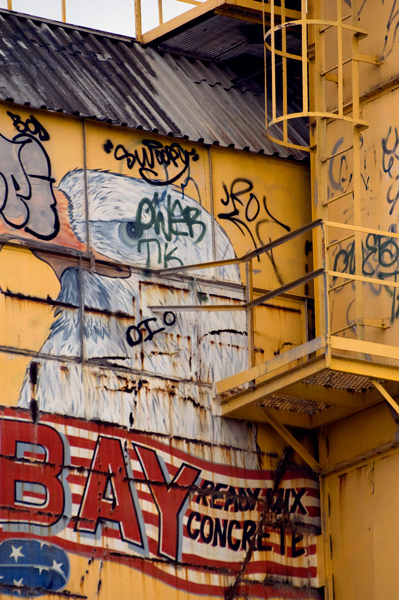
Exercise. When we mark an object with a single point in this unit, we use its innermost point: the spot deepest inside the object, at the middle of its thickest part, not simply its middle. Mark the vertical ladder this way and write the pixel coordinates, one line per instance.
(322, 35)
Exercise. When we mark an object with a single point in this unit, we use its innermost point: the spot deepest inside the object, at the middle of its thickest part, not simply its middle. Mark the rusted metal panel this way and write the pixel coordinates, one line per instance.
(122, 466)
(127, 500)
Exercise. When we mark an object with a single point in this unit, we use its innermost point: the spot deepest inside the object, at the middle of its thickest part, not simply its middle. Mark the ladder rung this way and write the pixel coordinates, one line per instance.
(325, 159)
(348, 237)
(333, 25)
(344, 62)
(331, 77)
(337, 198)
(340, 285)
(352, 324)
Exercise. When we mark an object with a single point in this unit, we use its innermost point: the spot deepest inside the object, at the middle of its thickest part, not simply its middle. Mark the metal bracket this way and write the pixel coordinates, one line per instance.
(373, 60)
(387, 396)
(292, 441)
(382, 323)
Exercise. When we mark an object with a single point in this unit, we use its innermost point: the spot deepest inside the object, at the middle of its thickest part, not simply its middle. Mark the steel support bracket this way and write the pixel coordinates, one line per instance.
(292, 441)
(387, 396)
(373, 60)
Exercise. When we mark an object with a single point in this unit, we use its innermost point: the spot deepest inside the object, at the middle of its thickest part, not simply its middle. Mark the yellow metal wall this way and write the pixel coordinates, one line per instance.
(102, 393)
(359, 453)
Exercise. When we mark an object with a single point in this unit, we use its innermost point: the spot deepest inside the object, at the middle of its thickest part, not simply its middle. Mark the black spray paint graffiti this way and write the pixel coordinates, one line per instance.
(134, 334)
(349, 3)
(390, 165)
(391, 29)
(27, 199)
(380, 260)
(339, 177)
(246, 208)
(31, 125)
(155, 160)
(168, 219)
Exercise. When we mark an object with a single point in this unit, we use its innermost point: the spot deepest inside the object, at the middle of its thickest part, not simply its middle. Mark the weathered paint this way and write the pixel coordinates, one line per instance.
(110, 424)
(160, 504)
(359, 453)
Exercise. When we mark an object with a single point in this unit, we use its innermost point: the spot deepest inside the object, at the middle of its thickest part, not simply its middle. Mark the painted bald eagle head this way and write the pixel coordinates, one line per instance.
(134, 222)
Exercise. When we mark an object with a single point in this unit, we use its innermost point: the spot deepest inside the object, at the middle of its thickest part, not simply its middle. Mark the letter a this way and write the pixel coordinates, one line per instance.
(109, 494)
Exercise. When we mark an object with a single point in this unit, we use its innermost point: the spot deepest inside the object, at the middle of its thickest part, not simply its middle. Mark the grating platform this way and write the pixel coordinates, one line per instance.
(312, 385)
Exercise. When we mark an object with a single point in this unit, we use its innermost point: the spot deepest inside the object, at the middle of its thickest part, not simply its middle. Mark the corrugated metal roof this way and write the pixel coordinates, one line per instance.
(48, 65)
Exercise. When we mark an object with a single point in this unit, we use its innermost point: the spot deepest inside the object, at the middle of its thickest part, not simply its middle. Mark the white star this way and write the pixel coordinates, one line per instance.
(18, 583)
(57, 567)
(16, 553)
(42, 569)
(44, 544)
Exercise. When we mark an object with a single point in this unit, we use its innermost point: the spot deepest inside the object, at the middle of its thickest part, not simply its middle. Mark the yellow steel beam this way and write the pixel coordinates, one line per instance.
(317, 113)
(373, 60)
(374, 370)
(364, 347)
(291, 440)
(387, 396)
(238, 15)
(137, 20)
(272, 365)
(379, 232)
(269, 387)
(361, 278)
(285, 417)
(266, 6)
(160, 12)
(291, 418)
(342, 401)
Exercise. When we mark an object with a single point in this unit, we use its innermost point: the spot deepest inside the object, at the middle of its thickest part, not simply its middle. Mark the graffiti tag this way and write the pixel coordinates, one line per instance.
(27, 199)
(134, 334)
(168, 220)
(245, 208)
(390, 165)
(154, 159)
(380, 259)
(31, 125)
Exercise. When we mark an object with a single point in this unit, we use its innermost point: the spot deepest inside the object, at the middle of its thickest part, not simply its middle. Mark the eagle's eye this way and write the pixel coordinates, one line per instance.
(127, 232)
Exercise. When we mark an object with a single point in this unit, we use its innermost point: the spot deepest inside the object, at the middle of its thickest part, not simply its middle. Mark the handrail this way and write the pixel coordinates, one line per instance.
(245, 305)
(249, 255)
(138, 14)
(327, 271)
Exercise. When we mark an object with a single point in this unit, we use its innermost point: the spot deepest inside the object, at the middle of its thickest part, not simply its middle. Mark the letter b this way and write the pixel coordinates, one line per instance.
(31, 460)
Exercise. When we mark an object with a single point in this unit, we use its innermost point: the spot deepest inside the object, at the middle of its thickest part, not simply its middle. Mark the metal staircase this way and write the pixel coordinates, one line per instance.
(351, 362)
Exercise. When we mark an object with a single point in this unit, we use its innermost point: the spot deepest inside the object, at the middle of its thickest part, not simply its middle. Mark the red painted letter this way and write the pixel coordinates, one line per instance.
(31, 460)
(109, 495)
(170, 498)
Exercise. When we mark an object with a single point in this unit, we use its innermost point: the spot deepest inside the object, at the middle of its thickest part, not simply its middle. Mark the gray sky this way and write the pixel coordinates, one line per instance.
(116, 16)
